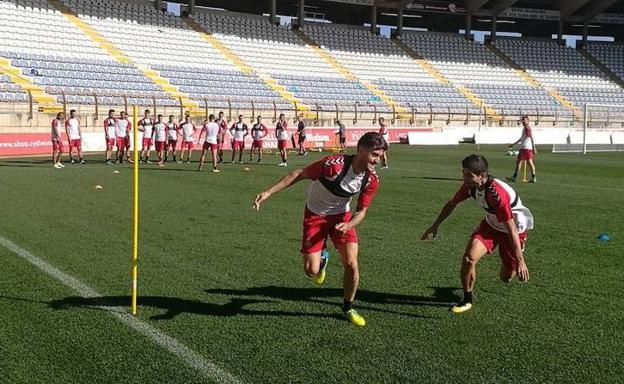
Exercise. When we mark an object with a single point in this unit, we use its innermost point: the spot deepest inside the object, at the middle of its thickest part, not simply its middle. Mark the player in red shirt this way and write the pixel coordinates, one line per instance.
(110, 124)
(383, 130)
(172, 138)
(505, 225)
(223, 127)
(123, 131)
(258, 132)
(527, 150)
(57, 140)
(188, 138)
(160, 137)
(146, 126)
(335, 180)
(238, 132)
(281, 133)
(74, 136)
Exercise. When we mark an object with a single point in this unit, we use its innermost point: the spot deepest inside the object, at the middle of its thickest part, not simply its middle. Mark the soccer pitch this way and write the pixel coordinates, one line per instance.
(227, 283)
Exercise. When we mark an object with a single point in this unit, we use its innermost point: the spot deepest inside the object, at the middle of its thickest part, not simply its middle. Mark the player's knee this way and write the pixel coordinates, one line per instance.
(469, 260)
(310, 269)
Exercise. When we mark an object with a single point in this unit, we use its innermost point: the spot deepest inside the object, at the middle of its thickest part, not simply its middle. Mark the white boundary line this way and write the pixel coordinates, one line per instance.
(190, 357)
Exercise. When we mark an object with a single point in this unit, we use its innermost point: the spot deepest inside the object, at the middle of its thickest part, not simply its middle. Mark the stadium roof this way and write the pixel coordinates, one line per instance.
(531, 18)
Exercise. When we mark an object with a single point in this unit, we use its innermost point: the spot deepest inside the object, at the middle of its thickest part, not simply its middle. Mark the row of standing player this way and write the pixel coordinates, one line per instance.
(335, 179)
(164, 136)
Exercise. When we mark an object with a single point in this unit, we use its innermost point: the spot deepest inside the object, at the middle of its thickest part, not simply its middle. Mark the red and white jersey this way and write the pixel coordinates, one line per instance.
(383, 131)
(55, 133)
(500, 202)
(160, 131)
(223, 128)
(188, 130)
(146, 125)
(123, 127)
(334, 183)
(172, 131)
(240, 130)
(211, 130)
(110, 123)
(73, 128)
(258, 131)
(281, 130)
(526, 140)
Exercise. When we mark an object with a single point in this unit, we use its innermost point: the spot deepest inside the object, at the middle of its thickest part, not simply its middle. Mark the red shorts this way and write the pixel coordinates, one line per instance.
(121, 142)
(186, 144)
(211, 146)
(492, 238)
(127, 141)
(172, 144)
(147, 142)
(57, 145)
(525, 154)
(282, 144)
(257, 144)
(160, 146)
(237, 145)
(110, 143)
(76, 143)
(316, 228)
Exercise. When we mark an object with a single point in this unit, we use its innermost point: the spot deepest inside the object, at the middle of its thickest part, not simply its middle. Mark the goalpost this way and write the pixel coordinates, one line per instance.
(602, 131)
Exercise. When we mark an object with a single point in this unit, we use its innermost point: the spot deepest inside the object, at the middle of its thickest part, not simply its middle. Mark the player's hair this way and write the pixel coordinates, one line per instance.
(58, 115)
(159, 116)
(211, 117)
(373, 141)
(111, 110)
(382, 119)
(147, 111)
(171, 116)
(72, 111)
(282, 115)
(240, 116)
(221, 113)
(124, 112)
(524, 117)
(259, 117)
(476, 164)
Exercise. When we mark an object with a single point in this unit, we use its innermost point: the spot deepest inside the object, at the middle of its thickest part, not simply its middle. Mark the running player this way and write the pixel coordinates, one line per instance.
(110, 123)
(281, 133)
(211, 131)
(160, 137)
(146, 125)
(505, 225)
(383, 130)
(74, 136)
(57, 140)
(188, 131)
(335, 180)
(258, 132)
(238, 131)
(527, 149)
(172, 138)
(122, 133)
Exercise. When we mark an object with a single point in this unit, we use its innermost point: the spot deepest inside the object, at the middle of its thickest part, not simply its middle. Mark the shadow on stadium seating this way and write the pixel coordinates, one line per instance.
(239, 300)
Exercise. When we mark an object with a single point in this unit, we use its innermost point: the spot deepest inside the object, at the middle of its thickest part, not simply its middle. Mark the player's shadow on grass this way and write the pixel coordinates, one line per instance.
(174, 306)
(442, 297)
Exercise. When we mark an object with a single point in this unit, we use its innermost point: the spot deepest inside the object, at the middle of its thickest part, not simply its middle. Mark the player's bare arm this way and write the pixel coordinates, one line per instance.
(522, 270)
(285, 182)
(356, 219)
(444, 213)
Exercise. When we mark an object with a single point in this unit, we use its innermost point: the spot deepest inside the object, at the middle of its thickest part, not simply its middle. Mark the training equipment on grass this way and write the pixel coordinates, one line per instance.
(115, 171)
(603, 237)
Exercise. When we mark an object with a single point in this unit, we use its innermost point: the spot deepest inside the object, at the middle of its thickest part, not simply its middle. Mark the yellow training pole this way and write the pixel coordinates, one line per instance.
(135, 209)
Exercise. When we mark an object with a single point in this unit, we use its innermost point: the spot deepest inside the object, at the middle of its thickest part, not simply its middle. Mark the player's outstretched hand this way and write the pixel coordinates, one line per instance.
(430, 231)
(259, 199)
(343, 228)
(523, 272)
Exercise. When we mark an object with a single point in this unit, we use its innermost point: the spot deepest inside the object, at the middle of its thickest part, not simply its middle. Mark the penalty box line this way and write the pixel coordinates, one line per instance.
(190, 357)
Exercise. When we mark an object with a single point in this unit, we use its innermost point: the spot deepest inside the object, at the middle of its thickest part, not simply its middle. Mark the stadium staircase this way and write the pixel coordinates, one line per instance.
(374, 89)
(118, 55)
(533, 82)
(47, 103)
(467, 93)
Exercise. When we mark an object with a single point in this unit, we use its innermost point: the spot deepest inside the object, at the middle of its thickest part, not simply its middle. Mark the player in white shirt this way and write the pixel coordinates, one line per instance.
(281, 132)
(160, 137)
(188, 138)
(172, 138)
(57, 140)
(74, 136)
(506, 224)
(238, 131)
(527, 150)
(122, 133)
(110, 124)
(211, 132)
(258, 133)
(146, 125)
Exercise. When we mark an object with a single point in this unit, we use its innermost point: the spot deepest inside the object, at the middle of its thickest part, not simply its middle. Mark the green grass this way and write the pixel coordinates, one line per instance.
(228, 282)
